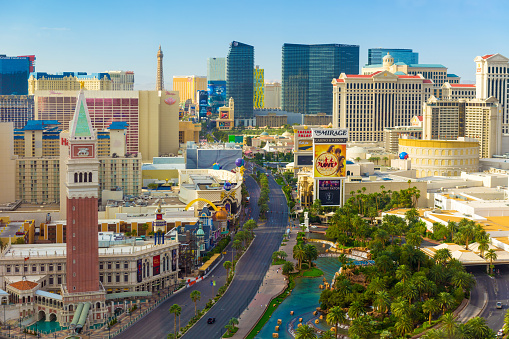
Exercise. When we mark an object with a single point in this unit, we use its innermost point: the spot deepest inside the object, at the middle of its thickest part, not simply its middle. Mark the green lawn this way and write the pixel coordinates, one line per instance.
(279, 262)
(314, 272)
(229, 334)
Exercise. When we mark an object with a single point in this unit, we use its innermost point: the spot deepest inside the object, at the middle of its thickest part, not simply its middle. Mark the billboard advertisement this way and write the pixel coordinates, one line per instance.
(216, 91)
(329, 192)
(173, 260)
(202, 97)
(156, 264)
(329, 151)
(305, 145)
(139, 270)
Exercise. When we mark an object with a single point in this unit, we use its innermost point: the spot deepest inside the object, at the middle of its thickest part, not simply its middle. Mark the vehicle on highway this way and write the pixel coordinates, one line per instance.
(500, 333)
(20, 233)
(211, 320)
(499, 304)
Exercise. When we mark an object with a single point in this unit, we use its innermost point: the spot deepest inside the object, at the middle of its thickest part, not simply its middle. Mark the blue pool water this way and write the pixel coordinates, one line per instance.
(302, 301)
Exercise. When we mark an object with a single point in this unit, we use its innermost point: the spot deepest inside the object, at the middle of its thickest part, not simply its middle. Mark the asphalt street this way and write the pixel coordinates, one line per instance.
(251, 268)
(160, 322)
(498, 290)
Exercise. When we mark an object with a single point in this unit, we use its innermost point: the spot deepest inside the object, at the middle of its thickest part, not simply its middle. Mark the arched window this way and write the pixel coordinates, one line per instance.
(75, 177)
(81, 177)
(85, 177)
(89, 176)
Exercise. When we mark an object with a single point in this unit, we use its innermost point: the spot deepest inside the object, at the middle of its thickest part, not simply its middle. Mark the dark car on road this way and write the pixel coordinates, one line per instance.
(211, 320)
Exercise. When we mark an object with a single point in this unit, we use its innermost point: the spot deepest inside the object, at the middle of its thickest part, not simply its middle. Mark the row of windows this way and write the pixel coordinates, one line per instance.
(33, 268)
(436, 162)
(426, 151)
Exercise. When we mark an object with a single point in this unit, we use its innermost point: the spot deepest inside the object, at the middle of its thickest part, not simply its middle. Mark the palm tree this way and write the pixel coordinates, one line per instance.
(468, 233)
(335, 317)
(449, 324)
(227, 265)
(232, 324)
(506, 322)
(328, 335)
(195, 297)
(299, 254)
(400, 308)
(445, 300)
(361, 327)
(477, 328)
(287, 268)
(305, 332)
(491, 255)
(442, 256)
(356, 310)
(404, 325)
(410, 292)
(237, 245)
(463, 280)
(430, 306)
(175, 309)
(483, 242)
(376, 285)
(403, 273)
(311, 253)
(433, 334)
(382, 302)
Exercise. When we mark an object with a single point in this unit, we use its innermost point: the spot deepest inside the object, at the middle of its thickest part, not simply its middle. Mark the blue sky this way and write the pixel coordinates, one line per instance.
(94, 36)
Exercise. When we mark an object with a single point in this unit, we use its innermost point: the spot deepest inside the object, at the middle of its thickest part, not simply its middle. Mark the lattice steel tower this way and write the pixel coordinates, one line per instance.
(160, 79)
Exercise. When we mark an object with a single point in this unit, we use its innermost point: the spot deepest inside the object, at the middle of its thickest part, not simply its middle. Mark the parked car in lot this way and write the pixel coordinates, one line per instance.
(211, 320)
(499, 304)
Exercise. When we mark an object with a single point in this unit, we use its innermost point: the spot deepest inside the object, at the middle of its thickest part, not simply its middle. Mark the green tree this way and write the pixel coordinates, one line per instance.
(355, 310)
(449, 325)
(237, 246)
(287, 268)
(506, 322)
(299, 254)
(328, 335)
(227, 265)
(305, 332)
(445, 300)
(404, 325)
(311, 253)
(430, 306)
(442, 256)
(491, 255)
(195, 297)
(382, 302)
(433, 334)
(175, 309)
(250, 225)
(403, 273)
(463, 280)
(361, 327)
(335, 317)
(483, 242)
(478, 329)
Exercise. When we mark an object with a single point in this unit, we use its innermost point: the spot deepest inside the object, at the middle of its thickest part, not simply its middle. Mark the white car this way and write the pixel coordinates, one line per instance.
(500, 333)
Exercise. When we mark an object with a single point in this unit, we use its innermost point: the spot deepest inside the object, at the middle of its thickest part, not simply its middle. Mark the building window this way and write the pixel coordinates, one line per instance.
(101, 278)
(126, 277)
(117, 265)
(117, 278)
(101, 266)
(59, 280)
(51, 280)
(8, 269)
(126, 265)
(34, 268)
(59, 267)
(43, 267)
(109, 278)
(109, 266)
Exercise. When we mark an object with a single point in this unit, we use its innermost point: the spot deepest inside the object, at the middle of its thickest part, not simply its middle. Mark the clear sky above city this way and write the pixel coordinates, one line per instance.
(95, 36)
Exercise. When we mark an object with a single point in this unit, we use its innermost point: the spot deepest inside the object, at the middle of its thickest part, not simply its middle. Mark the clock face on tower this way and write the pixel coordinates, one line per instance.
(82, 151)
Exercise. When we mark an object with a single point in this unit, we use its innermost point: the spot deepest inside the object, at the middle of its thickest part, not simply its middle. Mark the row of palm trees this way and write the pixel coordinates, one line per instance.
(303, 252)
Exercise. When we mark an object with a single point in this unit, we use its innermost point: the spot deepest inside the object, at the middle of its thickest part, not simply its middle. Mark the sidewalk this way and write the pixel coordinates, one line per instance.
(273, 284)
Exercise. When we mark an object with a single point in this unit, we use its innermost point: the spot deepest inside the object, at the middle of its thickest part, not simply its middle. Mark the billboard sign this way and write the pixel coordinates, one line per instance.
(305, 145)
(304, 160)
(173, 260)
(202, 103)
(306, 133)
(216, 95)
(329, 192)
(329, 151)
(156, 265)
(139, 270)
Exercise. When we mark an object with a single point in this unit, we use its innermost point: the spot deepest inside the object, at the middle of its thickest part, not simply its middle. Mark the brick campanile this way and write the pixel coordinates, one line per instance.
(82, 185)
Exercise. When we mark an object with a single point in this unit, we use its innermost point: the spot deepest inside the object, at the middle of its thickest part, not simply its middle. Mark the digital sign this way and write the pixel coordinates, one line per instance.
(216, 91)
(329, 192)
(304, 160)
(305, 145)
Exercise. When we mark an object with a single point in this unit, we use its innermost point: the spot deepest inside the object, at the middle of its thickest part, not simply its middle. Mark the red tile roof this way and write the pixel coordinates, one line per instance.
(23, 285)
(340, 80)
(462, 85)
(420, 117)
(427, 81)
(409, 77)
(487, 56)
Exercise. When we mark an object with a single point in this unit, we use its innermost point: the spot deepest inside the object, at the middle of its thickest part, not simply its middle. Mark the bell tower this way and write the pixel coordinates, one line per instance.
(82, 187)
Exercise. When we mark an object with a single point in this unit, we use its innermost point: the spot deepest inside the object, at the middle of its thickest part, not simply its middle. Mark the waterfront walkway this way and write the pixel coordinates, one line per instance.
(274, 283)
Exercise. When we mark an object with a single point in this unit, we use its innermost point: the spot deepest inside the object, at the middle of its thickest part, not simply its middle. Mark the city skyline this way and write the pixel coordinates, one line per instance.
(61, 41)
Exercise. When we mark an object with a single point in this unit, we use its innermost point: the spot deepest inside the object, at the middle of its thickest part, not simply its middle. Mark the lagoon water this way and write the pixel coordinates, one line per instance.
(302, 301)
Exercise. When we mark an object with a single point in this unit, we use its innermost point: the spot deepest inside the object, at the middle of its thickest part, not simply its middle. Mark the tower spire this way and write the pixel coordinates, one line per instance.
(160, 79)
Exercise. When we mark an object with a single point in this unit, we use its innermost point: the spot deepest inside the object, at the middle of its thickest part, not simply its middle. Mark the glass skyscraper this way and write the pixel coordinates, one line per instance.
(239, 79)
(375, 55)
(307, 73)
(14, 72)
(216, 83)
(17, 109)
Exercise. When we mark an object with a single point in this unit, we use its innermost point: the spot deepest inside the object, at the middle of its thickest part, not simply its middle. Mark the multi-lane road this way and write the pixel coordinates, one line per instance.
(250, 269)
(249, 275)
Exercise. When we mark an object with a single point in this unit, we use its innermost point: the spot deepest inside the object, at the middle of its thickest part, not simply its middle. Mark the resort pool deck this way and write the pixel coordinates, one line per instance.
(303, 300)
(45, 326)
